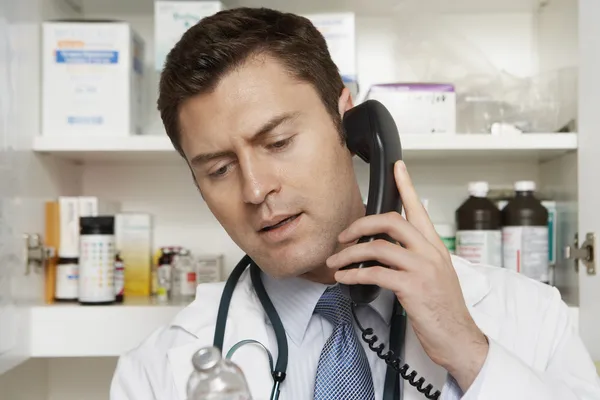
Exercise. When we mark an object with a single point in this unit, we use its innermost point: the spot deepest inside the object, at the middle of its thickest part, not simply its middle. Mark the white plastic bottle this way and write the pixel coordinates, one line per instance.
(184, 280)
(216, 378)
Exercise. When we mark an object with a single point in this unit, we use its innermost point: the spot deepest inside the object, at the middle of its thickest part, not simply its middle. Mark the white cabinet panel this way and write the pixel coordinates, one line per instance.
(588, 167)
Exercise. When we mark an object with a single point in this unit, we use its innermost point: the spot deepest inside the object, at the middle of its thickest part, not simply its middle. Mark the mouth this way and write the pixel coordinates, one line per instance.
(281, 223)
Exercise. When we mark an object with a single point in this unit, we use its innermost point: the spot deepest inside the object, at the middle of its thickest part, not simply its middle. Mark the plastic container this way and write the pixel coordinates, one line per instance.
(479, 228)
(97, 260)
(525, 233)
(67, 279)
(184, 281)
(216, 378)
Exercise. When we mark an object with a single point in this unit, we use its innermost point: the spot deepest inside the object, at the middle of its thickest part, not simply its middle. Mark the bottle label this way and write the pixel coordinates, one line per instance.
(483, 247)
(525, 250)
(67, 281)
(97, 268)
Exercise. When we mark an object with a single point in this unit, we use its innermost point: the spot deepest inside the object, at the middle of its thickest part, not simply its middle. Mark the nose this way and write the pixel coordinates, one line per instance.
(259, 179)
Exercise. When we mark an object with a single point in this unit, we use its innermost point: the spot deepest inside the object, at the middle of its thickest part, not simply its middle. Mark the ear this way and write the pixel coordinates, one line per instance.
(345, 101)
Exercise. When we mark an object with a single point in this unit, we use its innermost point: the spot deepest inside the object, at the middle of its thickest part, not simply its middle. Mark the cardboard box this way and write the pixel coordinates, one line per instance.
(418, 107)
(90, 206)
(92, 79)
(68, 211)
(133, 238)
(172, 19)
(339, 32)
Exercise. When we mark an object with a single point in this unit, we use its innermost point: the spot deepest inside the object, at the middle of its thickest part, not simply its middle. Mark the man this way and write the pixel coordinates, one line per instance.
(253, 102)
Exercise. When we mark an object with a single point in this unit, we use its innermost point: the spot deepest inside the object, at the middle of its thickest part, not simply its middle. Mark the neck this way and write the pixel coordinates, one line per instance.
(324, 274)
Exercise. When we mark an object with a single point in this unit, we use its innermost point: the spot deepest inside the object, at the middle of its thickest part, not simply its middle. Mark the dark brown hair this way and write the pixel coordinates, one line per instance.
(221, 42)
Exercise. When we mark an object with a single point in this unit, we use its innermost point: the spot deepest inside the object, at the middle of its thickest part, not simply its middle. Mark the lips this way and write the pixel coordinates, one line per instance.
(280, 223)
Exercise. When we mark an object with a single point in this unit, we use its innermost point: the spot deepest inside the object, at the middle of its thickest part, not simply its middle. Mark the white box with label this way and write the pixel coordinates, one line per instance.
(92, 79)
(418, 107)
(172, 19)
(339, 32)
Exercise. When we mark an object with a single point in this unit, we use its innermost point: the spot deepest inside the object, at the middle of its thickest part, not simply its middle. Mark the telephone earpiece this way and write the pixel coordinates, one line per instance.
(372, 135)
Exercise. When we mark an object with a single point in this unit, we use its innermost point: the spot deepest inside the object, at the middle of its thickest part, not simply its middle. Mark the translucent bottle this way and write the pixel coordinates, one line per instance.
(184, 277)
(216, 378)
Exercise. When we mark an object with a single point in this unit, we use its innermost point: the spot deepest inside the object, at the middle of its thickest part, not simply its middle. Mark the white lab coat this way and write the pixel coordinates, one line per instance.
(534, 353)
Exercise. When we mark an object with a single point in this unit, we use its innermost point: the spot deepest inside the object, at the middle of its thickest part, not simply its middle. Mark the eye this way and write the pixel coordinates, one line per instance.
(280, 144)
(220, 172)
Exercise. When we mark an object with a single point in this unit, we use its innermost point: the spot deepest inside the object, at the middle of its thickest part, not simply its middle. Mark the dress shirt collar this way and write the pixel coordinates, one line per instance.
(295, 300)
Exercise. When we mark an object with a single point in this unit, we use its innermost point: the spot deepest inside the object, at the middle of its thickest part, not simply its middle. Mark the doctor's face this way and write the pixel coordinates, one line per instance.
(270, 164)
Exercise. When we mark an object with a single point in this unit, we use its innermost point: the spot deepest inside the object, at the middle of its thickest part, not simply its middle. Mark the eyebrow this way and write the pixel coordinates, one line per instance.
(260, 133)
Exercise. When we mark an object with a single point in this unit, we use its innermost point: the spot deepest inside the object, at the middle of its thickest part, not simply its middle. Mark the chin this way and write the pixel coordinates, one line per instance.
(293, 261)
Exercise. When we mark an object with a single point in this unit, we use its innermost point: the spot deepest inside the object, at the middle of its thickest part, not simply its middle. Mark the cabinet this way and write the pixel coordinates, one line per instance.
(144, 174)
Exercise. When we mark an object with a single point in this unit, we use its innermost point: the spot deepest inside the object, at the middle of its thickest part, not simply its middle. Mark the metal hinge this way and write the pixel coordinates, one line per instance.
(35, 252)
(585, 253)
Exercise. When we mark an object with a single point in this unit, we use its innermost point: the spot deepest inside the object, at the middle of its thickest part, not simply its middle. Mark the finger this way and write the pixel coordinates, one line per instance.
(385, 278)
(392, 224)
(381, 251)
(413, 208)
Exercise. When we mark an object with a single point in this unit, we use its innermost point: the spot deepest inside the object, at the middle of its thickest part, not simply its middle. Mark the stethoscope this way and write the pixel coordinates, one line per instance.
(393, 387)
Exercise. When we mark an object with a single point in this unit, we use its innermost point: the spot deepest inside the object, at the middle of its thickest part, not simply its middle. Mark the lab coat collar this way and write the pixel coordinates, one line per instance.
(475, 284)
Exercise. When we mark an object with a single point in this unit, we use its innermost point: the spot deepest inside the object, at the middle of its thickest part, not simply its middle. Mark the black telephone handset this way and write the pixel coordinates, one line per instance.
(372, 135)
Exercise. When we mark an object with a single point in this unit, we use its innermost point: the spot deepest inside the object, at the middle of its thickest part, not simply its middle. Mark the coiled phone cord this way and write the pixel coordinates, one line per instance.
(394, 362)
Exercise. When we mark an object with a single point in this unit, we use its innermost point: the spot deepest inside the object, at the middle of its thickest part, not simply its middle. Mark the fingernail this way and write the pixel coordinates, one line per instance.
(400, 165)
(339, 275)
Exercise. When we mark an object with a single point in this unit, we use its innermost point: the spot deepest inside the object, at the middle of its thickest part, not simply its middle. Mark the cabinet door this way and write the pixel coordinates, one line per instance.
(20, 285)
(589, 168)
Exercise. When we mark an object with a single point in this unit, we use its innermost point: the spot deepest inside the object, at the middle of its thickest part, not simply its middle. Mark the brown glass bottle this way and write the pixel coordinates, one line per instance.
(119, 278)
(478, 227)
(525, 233)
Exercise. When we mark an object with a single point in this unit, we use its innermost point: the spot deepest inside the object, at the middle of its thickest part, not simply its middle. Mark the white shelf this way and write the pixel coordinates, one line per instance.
(378, 7)
(73, 330)
(155, 148)
(105, 331)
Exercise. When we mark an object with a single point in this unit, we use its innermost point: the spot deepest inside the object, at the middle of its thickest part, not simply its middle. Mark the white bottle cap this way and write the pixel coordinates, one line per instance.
(478, 189)
(525, 186)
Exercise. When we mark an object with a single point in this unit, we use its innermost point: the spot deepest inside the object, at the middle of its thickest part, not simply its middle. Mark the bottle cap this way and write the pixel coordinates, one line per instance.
(206, 358)
(478, 189)
(525, 186)
(100, 225)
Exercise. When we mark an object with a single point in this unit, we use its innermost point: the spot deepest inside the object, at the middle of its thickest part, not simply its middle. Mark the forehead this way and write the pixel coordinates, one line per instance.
(243, 100)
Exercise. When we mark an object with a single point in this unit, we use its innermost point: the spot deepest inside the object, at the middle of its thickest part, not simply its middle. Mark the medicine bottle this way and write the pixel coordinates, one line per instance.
(525, 233)
(96, 260)
(478, 227)
(67, 279)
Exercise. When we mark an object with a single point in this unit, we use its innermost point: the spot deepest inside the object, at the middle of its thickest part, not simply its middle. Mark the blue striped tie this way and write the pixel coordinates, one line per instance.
(343, 371)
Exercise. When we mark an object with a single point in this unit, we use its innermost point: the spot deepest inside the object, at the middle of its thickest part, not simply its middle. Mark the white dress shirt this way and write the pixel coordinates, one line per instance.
(295, 300)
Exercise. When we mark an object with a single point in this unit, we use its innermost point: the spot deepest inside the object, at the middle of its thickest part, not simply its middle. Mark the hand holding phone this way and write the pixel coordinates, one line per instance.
(422, 276)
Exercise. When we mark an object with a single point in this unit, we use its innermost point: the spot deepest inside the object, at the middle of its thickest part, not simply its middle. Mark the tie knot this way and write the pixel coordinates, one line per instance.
(334, 306)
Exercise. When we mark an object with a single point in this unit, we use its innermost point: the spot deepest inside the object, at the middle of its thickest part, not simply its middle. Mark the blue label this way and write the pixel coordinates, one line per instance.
(87, 57)
(551, 222)
(92, 120)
